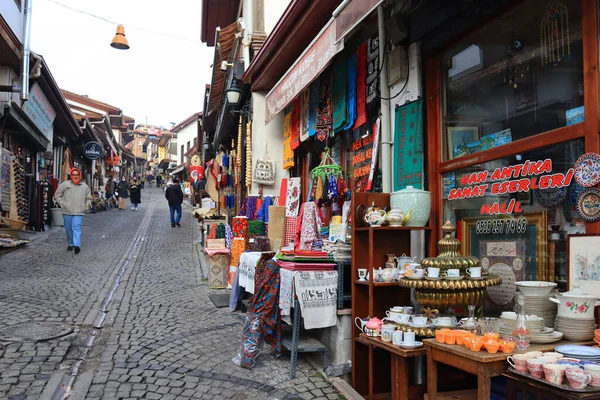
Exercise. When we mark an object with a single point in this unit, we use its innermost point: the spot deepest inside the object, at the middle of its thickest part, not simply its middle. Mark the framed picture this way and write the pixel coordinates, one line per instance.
(462, 140)
(512, 247)
(533, 231)
(584, 262)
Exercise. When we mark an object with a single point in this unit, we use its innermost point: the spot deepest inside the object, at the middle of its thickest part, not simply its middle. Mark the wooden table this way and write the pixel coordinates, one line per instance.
(518, 383)
(399, 361)
(480, 363)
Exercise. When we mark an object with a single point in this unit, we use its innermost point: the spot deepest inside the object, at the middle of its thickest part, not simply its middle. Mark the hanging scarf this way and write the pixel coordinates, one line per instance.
(295, 139)
(325, 115)
(332, 192)
(309, 228)
(292, 202)
(304, 110)
(319, 191)
(351, 90)
(259, 202)
(340, 101)
(77, 180)
(263, 212)
(264, 303)
(372, 75)
(228, 236)
(221, 231)
(250, 207)
(361, 87)
(288, 153)
(313, 111)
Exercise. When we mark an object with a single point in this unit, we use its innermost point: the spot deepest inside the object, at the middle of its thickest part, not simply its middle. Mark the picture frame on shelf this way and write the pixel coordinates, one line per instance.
(535, 237)
(583, 256)
(462, 140)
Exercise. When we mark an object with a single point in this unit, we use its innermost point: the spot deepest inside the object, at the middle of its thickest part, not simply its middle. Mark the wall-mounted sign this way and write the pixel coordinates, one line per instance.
(362, 152)
(514, 179)
(92, 150)
(39, 110)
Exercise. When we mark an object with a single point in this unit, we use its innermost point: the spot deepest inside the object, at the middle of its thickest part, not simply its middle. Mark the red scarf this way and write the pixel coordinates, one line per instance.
(78, 180)
(361, 87)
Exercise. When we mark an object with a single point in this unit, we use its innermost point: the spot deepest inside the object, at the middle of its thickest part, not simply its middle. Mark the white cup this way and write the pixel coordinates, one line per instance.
(408, 310)
(433, 272)
(443, 321)
(419, 320)
(474, 272)
(404, 318)
(397, 337)
(387, 331)
(397, 309)
(418, 273)
(409, 338)
(452, 272)
(393, 314)
(362, 274)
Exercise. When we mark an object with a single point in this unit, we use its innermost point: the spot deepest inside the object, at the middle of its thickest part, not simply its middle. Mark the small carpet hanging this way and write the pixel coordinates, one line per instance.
(340, 100)
(325, 115)
(314, 92)
(304, 117)
(288, 153)
(295, 138)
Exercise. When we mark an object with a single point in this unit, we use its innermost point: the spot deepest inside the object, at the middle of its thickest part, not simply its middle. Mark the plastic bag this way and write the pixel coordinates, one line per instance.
(252, 343)
(236, 292)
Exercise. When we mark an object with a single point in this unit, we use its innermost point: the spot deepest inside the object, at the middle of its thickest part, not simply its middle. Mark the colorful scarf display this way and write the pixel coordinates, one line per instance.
(351, 91)
(313, 107)
(239, 227)
(250, 207)
(292, 203)
(372, 75)
(339, 98)
(325, 113)
(310, 226)
(288, 153)
(361, 87)
(295, 139)
(265, 301)
(263, 212)
(304, 111)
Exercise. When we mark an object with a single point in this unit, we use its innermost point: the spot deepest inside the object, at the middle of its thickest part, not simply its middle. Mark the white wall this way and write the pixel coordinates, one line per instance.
(187, 134)
(11, 14)
(273, 11)
(272, 134)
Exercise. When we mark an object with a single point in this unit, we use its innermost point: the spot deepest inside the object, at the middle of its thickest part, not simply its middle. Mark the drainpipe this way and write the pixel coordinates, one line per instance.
(384, 89)
(26, 50)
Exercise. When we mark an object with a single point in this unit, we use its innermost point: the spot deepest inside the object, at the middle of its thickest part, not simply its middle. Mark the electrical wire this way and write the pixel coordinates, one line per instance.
(115, 23)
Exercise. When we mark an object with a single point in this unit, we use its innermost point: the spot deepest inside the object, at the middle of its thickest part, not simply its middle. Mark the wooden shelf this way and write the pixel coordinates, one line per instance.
(393, 228)
(367, 283)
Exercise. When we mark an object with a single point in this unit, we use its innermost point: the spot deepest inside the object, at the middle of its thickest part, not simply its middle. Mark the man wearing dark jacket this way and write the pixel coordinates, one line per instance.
(174, 196)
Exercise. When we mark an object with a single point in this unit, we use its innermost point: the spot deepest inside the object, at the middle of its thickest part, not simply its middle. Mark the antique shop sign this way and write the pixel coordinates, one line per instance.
(518, 178)
(92, 150)
(362, 152)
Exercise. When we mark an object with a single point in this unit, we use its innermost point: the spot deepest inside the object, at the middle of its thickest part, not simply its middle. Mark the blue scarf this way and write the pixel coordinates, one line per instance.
(351, 90)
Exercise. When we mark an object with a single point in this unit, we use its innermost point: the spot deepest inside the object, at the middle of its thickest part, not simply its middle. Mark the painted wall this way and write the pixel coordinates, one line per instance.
(273, 11)
(272, 134)
(13, 17)
(187, 134)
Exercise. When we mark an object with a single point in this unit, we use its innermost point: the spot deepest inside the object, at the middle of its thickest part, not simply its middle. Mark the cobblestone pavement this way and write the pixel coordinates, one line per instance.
(161, 337)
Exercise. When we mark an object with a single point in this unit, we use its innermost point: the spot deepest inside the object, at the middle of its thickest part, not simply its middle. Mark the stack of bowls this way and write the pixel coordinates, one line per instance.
(585, 354)
(536, 300)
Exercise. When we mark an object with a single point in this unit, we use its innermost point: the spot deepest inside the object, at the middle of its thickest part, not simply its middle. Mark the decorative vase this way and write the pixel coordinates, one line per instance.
(414, 201)
(521, 334)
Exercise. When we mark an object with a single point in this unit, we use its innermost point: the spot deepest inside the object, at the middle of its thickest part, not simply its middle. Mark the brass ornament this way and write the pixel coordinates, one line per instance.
(449, 256)
(488, 281)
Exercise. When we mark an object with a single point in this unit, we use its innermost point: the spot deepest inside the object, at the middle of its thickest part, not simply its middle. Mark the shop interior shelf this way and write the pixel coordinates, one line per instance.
(393, 228)
(367, 283)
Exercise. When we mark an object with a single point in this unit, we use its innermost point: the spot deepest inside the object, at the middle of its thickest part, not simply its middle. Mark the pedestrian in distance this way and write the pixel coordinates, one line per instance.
(110, 191)
(158, 181)
(135, 194)
(75, 198)
(123, 190)
(174, 196)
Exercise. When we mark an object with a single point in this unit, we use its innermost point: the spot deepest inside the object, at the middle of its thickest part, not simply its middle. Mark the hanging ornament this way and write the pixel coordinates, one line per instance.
(554, 33)
(248, 155)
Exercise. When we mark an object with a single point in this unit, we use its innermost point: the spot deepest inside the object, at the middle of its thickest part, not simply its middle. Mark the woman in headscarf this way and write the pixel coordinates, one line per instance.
(135, 194)
(123, 189)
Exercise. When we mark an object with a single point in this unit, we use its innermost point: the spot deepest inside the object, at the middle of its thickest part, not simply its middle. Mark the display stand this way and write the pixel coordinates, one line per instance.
(305, 344)
(344, 270)
(370, 364)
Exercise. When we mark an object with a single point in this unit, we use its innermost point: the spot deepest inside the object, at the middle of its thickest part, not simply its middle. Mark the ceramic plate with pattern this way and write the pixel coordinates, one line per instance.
(587, 170)
(588, 205)
(551, 197)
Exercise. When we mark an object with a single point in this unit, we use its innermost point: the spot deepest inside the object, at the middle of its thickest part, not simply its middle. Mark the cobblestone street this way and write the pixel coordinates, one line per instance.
(160, 336)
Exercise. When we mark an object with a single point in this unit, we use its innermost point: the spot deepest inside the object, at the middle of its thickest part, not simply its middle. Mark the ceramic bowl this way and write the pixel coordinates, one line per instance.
(535, 288)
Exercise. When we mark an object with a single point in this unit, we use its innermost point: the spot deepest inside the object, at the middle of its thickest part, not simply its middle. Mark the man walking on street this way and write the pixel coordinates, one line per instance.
(74, 197)
(174, 196)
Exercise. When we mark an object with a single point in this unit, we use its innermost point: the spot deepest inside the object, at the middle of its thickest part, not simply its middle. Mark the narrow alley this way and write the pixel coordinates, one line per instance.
(160, 338)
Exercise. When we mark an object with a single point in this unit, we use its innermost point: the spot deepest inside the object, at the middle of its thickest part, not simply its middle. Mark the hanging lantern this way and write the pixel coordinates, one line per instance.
(120, 41)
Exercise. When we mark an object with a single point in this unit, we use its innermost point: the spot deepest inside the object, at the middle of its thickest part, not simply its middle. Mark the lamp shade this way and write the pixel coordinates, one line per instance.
(120, 41)
(234, 94)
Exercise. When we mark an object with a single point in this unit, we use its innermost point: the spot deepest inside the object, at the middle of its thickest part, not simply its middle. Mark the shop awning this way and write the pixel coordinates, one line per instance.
(16, 114)
(306, 69)
(352, 15)
(178, 169)
(225, 38)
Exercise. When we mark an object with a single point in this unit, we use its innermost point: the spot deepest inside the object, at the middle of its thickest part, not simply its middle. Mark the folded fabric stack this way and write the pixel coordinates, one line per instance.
(305, 266)
(339, 250)
(306, 256)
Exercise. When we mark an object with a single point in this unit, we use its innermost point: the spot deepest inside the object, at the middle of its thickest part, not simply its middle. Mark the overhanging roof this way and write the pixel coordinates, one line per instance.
(225, 39)
(297, 27)
(186, 122)
(217, 13)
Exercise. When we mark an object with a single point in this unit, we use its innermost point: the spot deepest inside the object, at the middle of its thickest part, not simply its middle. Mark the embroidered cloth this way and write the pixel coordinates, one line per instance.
(247, 269)
(304, 111)
(325, 113)
(310, 226)
(286, 293)
(317, 294)
(292, 202)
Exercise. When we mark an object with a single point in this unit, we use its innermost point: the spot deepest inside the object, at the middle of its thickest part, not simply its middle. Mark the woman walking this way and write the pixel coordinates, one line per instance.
(135, 193)
(123, 190)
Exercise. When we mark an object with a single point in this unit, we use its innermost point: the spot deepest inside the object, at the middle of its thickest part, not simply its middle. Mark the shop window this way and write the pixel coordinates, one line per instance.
(520, 76)
(514, 214)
